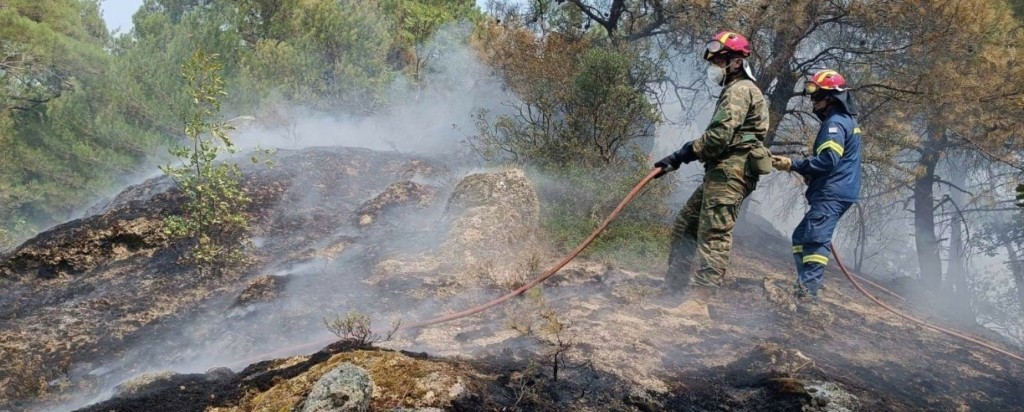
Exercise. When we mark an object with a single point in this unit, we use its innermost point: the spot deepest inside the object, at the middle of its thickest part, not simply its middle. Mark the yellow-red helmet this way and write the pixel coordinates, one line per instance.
(825, 80)
(727, 42)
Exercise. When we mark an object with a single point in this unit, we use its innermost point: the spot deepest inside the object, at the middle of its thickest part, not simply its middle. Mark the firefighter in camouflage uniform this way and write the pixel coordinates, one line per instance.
(733, 154)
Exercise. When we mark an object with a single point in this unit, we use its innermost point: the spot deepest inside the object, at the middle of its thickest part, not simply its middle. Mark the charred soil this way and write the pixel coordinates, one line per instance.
(89, 306)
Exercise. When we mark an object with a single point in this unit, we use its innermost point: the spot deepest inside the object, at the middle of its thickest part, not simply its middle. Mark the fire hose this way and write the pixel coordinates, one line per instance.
(936, 328)
(590, 239)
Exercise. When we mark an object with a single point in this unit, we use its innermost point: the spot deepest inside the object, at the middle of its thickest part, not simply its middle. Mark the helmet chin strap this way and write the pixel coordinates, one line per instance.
(744, 68)
(749, 71)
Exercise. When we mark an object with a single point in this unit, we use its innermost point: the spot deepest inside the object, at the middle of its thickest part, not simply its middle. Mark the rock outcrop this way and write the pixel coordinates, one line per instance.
(488, 235)
(346, 388)
(398, 194)
(80, 248)
(493, 219)
(263, 288)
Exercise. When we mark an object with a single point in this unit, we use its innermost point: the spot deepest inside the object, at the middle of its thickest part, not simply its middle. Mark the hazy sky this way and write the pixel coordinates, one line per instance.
(118, 13)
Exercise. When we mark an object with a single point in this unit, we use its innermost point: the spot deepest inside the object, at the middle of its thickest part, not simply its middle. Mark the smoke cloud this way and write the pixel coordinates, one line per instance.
(429, 118)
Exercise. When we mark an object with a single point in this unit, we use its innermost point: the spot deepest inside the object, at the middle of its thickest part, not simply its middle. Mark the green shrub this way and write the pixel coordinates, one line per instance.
(358, 327)
(576, 199)
(213, 216)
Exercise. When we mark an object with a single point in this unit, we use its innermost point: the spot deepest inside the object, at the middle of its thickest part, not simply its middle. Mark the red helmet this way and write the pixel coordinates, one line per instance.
(727, 42)
(825, 80)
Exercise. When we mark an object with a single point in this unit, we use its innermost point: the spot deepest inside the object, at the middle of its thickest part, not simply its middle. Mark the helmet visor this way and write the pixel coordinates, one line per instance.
(711, 48)
(714, 46)
(810, 88)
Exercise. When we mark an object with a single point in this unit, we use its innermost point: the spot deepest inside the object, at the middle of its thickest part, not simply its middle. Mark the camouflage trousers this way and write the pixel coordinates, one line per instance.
(702, 233)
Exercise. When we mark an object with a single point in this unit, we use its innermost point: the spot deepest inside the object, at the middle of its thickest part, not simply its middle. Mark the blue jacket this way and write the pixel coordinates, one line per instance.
(833, 173)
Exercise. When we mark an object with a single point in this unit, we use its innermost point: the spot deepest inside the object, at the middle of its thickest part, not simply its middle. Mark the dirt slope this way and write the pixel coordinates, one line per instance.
(92, 303)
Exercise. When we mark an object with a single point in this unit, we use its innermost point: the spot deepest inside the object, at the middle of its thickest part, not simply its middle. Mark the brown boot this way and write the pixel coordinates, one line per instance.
(665, 299)
(695, 307)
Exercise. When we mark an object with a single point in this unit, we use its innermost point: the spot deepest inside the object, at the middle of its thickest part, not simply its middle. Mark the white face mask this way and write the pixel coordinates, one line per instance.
(716, 74)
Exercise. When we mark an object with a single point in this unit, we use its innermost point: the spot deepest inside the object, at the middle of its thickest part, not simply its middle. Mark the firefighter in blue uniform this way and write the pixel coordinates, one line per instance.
(832, 173)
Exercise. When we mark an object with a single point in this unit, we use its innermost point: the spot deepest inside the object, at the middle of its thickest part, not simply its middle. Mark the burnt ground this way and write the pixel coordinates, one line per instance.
(498, 383)
(754, 357)
(97, 288)
(196, 392)
(91, 303)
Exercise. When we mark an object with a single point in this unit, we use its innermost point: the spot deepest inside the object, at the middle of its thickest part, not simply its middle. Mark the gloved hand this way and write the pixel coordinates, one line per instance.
(782, 163)
(668, 164)
(672, 161)
(688, 155)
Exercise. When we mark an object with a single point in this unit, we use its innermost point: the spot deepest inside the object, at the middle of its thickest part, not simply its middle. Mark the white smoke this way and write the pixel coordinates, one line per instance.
(429, 117)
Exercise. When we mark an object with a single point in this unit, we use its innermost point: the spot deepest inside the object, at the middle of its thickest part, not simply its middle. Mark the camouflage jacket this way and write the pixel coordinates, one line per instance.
(741, 112)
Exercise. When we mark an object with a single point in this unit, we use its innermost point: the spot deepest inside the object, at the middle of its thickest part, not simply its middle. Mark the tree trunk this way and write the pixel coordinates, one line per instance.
(1016, 267)
(776, 77)
(777, 80)
(924, 221)
(778, 102)
(956, 270)
(861, 251)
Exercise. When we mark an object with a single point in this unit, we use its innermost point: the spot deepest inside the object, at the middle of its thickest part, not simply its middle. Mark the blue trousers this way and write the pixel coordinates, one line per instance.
(812, 240)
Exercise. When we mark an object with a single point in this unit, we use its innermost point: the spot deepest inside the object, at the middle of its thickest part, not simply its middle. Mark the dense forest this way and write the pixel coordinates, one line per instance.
(940, 84)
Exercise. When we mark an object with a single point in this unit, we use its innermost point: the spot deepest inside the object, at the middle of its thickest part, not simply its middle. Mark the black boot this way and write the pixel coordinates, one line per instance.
(806, 302)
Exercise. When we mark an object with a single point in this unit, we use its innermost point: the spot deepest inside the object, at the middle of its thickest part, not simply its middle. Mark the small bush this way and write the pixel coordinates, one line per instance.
(357, 327)
(537, 320)
(577, 103)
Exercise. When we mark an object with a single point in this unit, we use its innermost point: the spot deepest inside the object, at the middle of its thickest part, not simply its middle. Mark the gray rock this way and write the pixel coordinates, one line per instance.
(345, 388)
(404, 193)
(830, 397)
(219, 374)
(492, 218)
(140, 383)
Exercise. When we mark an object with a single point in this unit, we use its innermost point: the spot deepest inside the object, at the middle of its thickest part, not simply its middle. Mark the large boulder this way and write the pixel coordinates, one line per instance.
(343, 389)
(489, 223)
(480, 195)
(493, 219)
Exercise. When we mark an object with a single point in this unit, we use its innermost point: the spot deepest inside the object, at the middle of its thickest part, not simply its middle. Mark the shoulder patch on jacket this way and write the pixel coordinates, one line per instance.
(833, 129)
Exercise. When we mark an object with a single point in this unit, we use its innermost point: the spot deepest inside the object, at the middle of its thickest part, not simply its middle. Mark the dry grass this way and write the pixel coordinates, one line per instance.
(23, 376)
